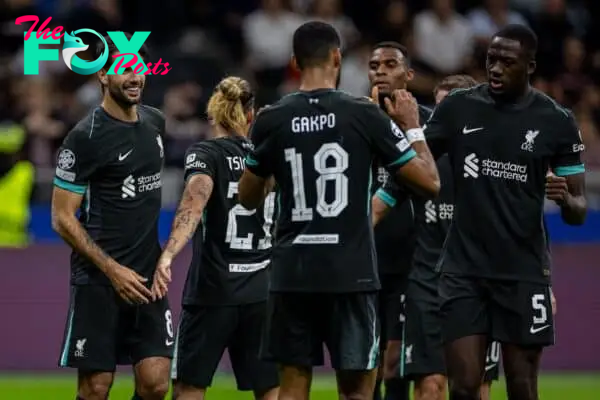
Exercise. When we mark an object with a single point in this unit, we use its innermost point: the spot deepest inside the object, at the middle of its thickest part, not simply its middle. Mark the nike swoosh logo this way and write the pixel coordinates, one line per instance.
(124, 156)
(169, 342)
(533, 330)
(489, 366)
(466, 130)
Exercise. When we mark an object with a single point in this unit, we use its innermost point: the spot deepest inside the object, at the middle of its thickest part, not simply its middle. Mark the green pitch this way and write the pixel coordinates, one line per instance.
(61, 387)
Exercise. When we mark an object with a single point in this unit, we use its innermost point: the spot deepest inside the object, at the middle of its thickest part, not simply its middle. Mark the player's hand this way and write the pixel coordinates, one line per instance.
(162, 278)
(557, 188)
(130, 285)
(553, 303)
(369, 98)
(402, 108)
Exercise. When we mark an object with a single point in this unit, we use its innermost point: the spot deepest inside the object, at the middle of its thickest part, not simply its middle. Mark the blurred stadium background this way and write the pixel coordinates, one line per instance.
(204, 40)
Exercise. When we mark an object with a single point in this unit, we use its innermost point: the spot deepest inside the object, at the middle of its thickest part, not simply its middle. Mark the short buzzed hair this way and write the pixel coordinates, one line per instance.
(313, 43)
(394, 45)
(455, 82)
(522, 34)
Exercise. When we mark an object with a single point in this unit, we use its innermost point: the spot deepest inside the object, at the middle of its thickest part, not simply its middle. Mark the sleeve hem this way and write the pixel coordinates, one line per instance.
(403, 159)
(387, 198)
(71, 187)
(254, 166)
(188, 175)
(251, 161)
(569, 170)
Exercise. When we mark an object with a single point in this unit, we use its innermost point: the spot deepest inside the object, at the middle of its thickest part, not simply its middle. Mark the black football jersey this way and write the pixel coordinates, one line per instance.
(321, 147)
(500, 155)
(116, 166)
(395, 234)
(433, 218)
(232, 246)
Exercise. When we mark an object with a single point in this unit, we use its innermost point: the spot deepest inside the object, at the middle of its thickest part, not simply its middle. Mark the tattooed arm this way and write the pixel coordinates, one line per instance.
(64, 207)
(189, 213)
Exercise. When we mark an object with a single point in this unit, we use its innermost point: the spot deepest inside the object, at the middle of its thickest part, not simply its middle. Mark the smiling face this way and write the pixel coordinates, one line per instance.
(388, 70)
(508, 66)
(125, 88)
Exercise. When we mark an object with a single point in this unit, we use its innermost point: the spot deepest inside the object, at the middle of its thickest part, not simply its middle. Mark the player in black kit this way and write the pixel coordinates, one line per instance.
(501, 138)
(226, 287)
(109, 167)
(422, 353)
(320, 144)
(389, 70)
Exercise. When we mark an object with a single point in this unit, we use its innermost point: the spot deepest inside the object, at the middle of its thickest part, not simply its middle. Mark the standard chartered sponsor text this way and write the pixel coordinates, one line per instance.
(504, 170)
(148, 183)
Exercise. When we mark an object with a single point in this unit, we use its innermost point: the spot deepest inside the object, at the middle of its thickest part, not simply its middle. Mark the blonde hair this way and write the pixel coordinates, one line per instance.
(229, 104)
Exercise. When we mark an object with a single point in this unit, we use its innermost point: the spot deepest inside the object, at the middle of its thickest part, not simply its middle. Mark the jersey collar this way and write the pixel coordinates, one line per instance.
(520, 105)
(120, 121)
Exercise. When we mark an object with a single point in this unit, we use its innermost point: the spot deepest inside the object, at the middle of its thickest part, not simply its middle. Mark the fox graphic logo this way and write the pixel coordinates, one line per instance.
(74, 45)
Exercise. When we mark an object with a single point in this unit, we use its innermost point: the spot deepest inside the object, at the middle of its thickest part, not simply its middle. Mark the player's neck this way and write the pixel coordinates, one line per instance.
(523, 95)
(117, 111)
(516, 98)
(219, 132)
(317, 78)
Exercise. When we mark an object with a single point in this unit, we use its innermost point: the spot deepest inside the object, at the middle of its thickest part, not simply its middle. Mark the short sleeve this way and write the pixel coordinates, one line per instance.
(391, 193)
(260, 159)
(438, 129)
(388, 140)
(77, 161)
(200, 159)
(567, 158)
(162, 123)
(159, 117)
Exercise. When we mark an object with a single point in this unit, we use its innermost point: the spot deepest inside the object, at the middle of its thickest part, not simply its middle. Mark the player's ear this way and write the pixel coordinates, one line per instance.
(531, 67)
(103, 77)
(410, 74)
(294, 63)
(337, 58)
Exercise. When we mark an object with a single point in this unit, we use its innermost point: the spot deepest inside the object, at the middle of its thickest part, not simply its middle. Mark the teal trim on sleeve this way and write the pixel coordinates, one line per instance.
(406, 157)
(251, 161)
(569, 170)
(387, 198)
(71, 187)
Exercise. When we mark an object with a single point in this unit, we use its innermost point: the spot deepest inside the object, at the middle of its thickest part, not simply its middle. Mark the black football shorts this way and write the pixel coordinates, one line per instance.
(298, 324)
(422, 350)
(103, 331)
(514, 312)
(392, 306)
(205, 332)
